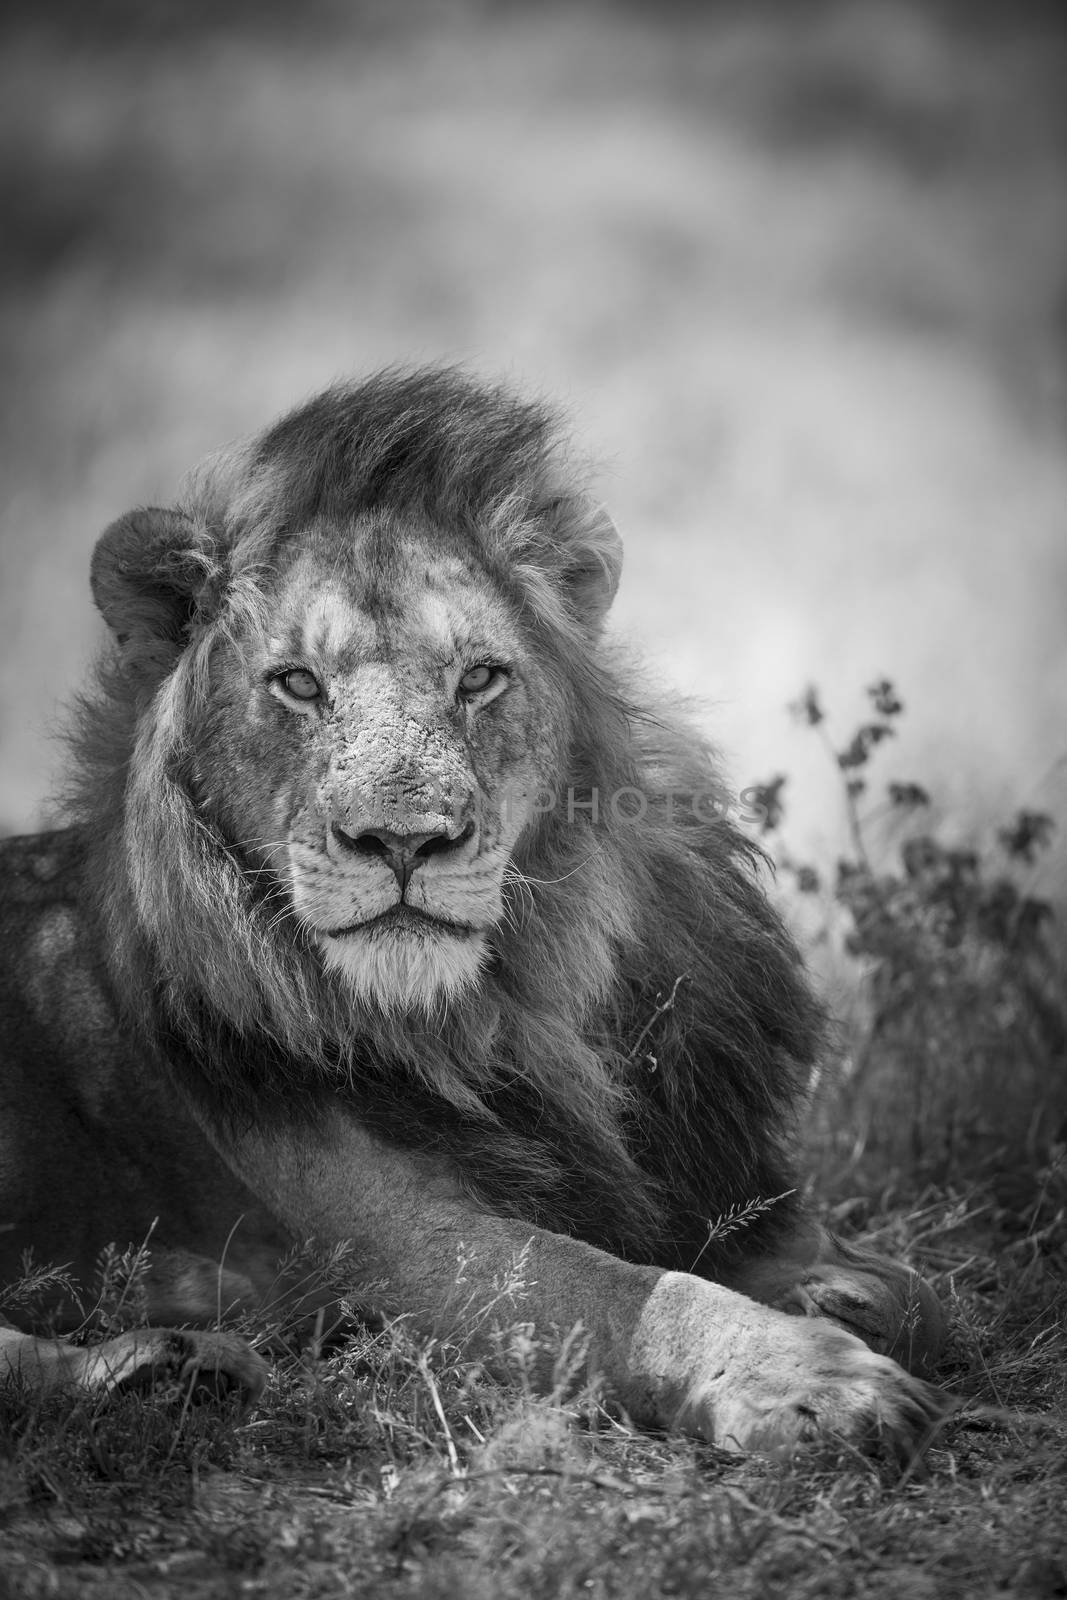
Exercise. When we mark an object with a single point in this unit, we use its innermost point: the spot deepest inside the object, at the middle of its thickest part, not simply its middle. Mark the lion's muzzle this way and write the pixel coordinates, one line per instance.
(403, 854)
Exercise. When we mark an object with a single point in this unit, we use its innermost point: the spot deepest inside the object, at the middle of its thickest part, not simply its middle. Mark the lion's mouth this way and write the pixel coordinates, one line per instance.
(405, 919)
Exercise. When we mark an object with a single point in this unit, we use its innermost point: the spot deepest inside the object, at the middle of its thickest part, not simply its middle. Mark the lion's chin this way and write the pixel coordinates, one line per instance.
(401, 968)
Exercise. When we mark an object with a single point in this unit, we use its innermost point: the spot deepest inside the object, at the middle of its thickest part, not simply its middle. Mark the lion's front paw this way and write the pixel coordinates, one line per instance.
(753, 1378)
(208, 1365)
(800, 1382)
(216, 1365)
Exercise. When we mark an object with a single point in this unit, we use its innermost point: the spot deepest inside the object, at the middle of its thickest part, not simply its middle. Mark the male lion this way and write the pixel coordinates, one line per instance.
(395, 909)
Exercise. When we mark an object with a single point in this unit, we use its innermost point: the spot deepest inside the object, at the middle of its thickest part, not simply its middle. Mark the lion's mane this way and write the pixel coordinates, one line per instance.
(562, 1092)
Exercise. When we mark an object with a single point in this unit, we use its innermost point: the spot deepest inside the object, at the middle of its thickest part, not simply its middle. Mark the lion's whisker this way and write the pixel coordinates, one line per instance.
(548, 883)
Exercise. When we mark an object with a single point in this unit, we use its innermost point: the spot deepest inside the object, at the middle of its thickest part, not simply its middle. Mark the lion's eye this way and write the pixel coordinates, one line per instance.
(302, 685)
(477, 679)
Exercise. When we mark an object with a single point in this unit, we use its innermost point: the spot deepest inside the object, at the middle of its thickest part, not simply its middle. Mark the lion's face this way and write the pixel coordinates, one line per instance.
(376, 747)
(347, 667)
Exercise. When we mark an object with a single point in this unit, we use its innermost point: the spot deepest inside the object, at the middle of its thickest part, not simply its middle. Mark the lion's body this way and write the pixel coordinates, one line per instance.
(94, 1149)
(395, 908)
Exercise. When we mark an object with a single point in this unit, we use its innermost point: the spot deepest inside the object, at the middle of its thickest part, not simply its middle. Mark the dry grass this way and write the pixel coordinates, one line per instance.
(391, 1468)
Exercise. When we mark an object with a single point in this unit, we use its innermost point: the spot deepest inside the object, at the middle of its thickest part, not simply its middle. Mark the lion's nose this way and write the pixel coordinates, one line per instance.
(404, 853)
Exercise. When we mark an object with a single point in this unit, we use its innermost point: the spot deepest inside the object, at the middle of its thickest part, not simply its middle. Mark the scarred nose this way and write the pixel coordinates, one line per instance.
(403, 853)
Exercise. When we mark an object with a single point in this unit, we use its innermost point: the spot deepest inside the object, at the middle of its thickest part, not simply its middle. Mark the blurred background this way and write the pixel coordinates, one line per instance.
(797, 272)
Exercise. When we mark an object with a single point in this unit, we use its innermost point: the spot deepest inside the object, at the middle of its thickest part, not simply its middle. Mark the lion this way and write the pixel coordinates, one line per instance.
(395, 908)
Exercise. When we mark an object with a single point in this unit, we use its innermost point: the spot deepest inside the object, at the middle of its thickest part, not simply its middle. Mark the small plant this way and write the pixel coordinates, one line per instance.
(957, 1057)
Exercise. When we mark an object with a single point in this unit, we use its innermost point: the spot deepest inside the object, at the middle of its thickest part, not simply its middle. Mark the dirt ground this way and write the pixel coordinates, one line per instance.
(798, 279)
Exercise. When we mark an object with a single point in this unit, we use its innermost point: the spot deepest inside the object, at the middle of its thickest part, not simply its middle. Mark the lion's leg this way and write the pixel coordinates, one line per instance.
(674, 1349)
(38, 1365)
(888, 1305)
(217, 1362)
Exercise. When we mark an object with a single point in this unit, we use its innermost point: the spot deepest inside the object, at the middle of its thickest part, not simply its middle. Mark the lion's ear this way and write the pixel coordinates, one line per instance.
(147, 570)
(594, 567)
